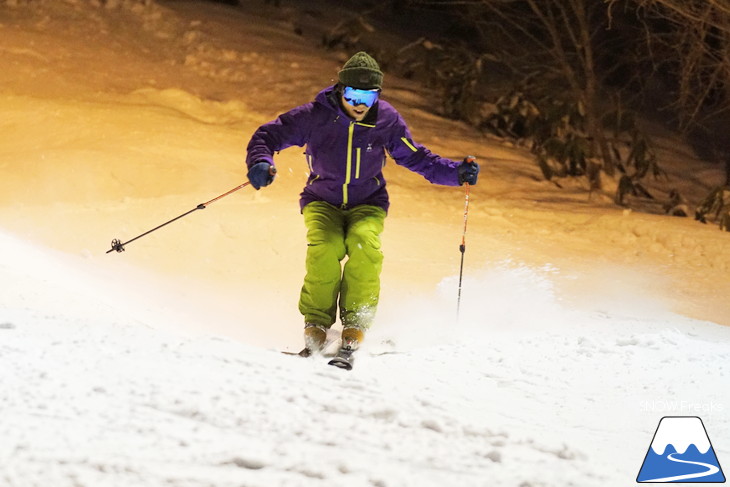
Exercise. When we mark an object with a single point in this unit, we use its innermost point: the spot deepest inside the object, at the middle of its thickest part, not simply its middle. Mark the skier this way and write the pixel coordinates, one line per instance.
(347, 131)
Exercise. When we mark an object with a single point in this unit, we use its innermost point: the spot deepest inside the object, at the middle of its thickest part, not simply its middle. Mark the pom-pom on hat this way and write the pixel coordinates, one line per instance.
(361, 71)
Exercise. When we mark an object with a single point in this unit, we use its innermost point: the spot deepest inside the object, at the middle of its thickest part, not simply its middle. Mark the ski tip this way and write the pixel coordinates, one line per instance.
(304, 353)
(341, 363)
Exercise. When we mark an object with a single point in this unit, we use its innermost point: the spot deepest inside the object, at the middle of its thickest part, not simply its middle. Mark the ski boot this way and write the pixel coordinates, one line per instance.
(351, 338)
(315, 337)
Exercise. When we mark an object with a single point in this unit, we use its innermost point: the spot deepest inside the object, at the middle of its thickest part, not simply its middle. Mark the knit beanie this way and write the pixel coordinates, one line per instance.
(361, 71)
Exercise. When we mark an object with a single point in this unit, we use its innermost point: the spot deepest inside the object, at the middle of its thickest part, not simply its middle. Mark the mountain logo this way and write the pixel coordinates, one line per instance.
(681, 452)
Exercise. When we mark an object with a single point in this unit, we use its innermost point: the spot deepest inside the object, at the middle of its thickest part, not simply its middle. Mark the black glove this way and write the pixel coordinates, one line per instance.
(468, 170)
(261, 174)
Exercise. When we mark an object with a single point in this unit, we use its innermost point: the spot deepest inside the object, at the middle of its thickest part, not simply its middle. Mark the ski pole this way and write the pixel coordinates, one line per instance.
(118, 245)
(462, 247)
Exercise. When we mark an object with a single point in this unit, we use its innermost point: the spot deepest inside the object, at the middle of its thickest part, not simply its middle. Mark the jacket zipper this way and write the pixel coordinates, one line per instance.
(348, 170)
(357, 163)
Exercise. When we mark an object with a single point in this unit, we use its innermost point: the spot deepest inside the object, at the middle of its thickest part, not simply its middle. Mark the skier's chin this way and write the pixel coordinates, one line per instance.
(358, 114)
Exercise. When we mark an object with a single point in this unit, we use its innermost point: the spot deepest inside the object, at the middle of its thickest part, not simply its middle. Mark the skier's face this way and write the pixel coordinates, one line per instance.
(357, 102)
(357, 112)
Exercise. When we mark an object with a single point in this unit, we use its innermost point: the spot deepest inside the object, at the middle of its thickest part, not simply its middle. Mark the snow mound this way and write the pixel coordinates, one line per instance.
(187, 104)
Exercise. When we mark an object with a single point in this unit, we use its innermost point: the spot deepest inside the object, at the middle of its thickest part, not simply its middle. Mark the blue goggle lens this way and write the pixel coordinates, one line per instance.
(356, 97)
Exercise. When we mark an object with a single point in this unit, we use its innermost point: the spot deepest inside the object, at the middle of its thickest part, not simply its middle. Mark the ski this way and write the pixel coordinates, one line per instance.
(305, 352)
(339, 353)
(344, 358)
(328, 350)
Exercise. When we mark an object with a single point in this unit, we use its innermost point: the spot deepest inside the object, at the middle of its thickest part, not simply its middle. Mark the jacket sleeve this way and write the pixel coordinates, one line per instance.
(419, 159)
(289, 129)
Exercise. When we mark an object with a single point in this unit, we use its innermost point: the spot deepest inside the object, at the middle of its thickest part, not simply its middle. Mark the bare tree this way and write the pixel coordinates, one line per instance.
(549, 42)
(570, 43)
(690, 41)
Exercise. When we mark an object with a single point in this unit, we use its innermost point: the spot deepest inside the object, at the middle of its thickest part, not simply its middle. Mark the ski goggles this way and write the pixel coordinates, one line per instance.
(356, 97)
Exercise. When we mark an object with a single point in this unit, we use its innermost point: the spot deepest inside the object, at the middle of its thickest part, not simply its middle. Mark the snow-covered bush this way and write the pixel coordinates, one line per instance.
(557, 133)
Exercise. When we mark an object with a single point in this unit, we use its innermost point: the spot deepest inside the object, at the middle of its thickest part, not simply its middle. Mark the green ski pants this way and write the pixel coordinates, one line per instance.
(332, 234)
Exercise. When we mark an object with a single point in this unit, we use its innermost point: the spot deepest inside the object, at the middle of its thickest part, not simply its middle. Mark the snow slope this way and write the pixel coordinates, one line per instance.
(581, 324)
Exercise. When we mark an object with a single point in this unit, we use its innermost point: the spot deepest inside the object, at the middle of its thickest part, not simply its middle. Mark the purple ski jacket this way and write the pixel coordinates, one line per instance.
(345, 157)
